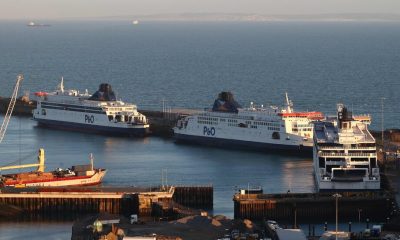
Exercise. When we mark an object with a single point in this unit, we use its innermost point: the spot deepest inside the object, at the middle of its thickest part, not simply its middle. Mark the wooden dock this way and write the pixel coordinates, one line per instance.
(312, 206)
(115, 200)
(199, 197)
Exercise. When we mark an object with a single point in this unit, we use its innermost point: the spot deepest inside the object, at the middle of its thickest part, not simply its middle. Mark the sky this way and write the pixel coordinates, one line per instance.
(64, 9)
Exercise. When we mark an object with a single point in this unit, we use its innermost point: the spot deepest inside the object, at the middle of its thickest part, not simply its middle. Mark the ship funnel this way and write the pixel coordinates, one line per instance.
(344, 117)
(41, 160)
(289, 104)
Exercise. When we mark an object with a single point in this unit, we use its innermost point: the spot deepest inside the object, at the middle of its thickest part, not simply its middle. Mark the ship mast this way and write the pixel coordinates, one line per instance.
(10, 108)
(289, 104)
(61, 85)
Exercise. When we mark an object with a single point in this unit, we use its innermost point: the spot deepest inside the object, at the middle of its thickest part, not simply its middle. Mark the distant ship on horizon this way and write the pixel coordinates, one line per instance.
(33, 24)
(135, 22)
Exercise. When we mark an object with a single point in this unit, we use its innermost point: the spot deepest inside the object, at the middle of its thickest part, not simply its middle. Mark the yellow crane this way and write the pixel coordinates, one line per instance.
(40, 165)
(41, 157)
(10, 108)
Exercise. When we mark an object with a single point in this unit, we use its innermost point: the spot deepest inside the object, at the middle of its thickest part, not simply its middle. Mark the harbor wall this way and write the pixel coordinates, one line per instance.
(199, 197)
(313, 206)
(67, 203)
(70, 205)
(22, 107)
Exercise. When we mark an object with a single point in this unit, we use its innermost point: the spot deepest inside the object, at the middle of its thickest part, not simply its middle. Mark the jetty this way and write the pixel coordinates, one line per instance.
(67, 202)
(376, 205)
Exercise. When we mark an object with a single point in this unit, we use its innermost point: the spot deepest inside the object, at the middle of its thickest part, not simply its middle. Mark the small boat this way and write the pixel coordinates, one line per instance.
(135, 22)
(41, 94)
(33, 24)
(78, 175)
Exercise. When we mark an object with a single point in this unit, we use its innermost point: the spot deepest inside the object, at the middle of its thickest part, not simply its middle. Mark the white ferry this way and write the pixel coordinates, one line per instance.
(98, 113)
(345, 154)
(260, 128)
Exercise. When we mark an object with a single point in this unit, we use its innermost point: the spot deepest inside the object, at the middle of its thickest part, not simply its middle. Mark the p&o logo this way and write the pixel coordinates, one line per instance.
(89, 119)
(209, 131)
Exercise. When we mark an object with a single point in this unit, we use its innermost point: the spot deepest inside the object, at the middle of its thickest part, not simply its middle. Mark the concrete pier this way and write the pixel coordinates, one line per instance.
(312, 206)
(115, 200)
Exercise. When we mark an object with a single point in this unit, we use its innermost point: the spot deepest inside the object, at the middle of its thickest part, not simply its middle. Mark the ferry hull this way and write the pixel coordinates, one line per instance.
(331, 186)
(240, 144)
(139, 132)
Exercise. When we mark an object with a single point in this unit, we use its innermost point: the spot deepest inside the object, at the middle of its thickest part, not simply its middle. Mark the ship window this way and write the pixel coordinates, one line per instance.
(276, 135)
(110, 117)
(43, 111)
(321, 162)
(373, 162)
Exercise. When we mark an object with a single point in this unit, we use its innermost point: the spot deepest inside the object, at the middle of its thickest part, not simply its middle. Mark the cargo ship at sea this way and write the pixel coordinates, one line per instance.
(344, 154)
(97, 113)
(33, 24)
(79, 175)
(261, 128)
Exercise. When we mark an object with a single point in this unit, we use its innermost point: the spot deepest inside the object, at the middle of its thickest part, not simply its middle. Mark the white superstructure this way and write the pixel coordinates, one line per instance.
(100, 112)
(259, 128)
(345, 154)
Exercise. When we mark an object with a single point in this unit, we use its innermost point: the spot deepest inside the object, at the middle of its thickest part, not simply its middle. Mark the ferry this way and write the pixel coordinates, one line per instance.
(79, 175)
(97, 113)
(344, 154)
(261, 128)
(33, 24)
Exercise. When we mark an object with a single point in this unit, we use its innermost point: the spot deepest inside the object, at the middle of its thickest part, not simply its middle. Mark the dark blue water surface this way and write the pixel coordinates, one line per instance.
(187, 64)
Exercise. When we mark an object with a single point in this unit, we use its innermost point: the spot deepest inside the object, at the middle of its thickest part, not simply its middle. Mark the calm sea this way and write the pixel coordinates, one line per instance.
(187, 64)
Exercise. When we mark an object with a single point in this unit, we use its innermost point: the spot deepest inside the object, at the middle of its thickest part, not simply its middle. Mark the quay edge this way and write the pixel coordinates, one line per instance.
(70, 202)
(376, 205)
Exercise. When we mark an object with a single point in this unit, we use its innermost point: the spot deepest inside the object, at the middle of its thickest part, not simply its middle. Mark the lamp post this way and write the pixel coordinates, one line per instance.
(382, 128)
(336, 196)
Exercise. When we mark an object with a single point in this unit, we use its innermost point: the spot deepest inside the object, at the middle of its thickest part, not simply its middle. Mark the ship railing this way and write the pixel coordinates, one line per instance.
(342, 148)
(243, 117)
(323, 154)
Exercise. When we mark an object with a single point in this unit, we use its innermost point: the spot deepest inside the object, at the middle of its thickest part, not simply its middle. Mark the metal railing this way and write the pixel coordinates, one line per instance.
(347, 154)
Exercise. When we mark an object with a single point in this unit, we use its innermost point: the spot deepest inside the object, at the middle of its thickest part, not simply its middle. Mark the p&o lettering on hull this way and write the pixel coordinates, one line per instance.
(208, 131)
(89, 118)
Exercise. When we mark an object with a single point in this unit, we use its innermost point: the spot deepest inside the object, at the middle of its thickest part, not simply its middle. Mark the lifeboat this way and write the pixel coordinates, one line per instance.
(41, 94)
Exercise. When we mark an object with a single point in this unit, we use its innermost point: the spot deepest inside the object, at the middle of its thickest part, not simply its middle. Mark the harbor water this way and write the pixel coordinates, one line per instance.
(186, 65)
